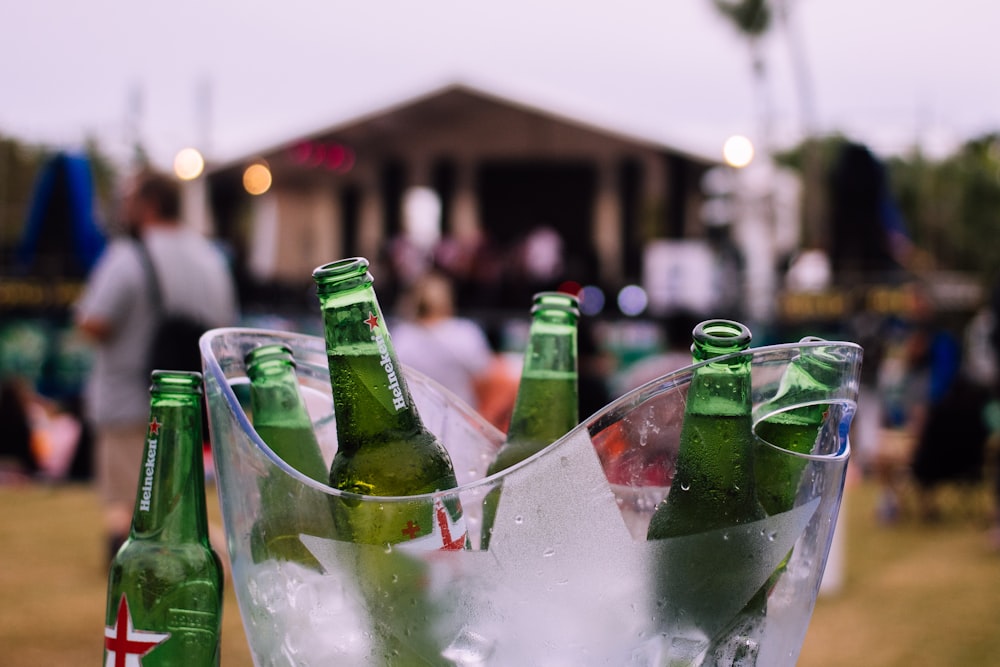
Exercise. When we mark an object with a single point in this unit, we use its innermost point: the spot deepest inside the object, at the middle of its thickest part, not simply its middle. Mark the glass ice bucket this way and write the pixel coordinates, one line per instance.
(569, 578)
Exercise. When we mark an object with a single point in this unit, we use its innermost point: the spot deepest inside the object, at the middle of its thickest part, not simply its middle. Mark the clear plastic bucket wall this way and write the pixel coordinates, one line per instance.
(568, 578)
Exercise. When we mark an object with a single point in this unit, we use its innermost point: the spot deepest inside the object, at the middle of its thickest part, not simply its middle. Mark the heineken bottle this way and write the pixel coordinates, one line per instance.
(164, 602)
(791, 421)
(383, 447)
(714, 488)
(713, 485)
(547, 403)
(288, 507)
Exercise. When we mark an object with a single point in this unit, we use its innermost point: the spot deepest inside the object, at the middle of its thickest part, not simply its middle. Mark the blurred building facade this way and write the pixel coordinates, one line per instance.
(513, 182)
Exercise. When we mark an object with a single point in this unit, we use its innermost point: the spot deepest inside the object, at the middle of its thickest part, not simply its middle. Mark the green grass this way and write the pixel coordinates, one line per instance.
(913, 594)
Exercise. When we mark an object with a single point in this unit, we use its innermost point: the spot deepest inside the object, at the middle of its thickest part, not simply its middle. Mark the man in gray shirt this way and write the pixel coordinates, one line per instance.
(116, 312)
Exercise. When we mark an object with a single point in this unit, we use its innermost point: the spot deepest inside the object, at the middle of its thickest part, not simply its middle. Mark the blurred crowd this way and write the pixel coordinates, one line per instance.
(928, 417)
(929, 407)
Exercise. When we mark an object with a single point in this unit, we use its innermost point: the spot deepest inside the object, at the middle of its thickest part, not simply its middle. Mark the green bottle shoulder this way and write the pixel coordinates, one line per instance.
(170, 558)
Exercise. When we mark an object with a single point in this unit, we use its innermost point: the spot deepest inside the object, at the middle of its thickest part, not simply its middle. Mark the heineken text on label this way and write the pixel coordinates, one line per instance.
(150, 466)
(398, 401)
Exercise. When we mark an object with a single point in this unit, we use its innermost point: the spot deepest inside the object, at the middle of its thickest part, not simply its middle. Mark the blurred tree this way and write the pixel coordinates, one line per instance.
(19, 165)
(951, 205)
(752, 19)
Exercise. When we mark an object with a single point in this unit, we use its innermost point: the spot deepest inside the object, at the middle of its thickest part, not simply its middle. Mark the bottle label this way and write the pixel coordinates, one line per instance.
(149, 465)
(374, 326)
(447, 532)
(124, 644)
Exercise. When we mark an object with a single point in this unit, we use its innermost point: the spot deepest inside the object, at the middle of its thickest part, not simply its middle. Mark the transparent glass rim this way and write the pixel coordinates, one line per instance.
(605, 416)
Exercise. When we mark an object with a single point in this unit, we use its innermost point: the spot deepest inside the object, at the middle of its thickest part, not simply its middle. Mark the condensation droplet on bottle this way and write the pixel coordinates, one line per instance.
(685, 486)
(549, 553)
(519, 519)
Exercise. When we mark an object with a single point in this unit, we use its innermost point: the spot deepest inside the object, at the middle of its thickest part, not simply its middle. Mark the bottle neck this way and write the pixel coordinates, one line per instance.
(370, 394)
(274, 395)
(549, 377)
(721, 388)
(170, 502)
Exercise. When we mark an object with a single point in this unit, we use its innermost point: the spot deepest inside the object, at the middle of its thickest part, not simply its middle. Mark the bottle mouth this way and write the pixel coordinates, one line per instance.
(716, 337)
(342, 274)
(556, 301)
(175, 382)
(265, 354)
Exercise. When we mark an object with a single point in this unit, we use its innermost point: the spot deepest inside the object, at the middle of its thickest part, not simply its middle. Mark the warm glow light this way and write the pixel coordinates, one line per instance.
(738, 151)
(188, 164)
(257, 179)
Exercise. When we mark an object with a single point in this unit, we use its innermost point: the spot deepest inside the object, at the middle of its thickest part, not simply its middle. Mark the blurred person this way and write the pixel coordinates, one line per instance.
(595, 366)
(651, 464)
(869, 330)
(499, 383)
(116, 313)
(992, 410)
(676, 329)
(430, 338)
(17, 461)
(949, 426)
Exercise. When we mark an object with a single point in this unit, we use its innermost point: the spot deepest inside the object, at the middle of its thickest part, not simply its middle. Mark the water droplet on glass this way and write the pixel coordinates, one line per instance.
(548, 553)
(685, 486)
(519, 519)
(469, 648)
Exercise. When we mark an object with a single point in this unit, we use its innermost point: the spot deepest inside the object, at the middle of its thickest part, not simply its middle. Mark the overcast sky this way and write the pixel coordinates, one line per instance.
(886, 72)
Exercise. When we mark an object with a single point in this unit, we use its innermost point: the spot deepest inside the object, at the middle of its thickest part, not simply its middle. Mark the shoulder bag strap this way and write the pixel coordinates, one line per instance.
(152, 280)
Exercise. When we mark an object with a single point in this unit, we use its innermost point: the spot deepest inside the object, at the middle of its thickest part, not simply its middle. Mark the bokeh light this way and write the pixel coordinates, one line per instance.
(738, 151)
(570, 287)
(632, 300)
(591, 300)
(188, 164)
(257, 179)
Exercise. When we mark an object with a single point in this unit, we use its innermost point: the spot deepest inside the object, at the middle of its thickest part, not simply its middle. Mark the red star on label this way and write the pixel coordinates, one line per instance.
(154, 426)
(372, 321)
(124, 645)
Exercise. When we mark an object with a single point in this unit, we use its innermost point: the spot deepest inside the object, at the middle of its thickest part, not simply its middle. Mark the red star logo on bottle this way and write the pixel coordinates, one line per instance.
(154, 426)
(124, 645)
(372, 321)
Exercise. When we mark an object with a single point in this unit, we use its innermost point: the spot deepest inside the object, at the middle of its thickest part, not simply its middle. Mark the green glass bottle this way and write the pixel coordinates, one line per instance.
(791, 420)
(713, 485)
(164, 602)
(714, 488)
(547, 403)
(383, 448)
(288, 507)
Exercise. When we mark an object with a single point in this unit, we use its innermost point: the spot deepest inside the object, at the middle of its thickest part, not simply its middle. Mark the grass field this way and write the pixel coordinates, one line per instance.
(913, 595)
